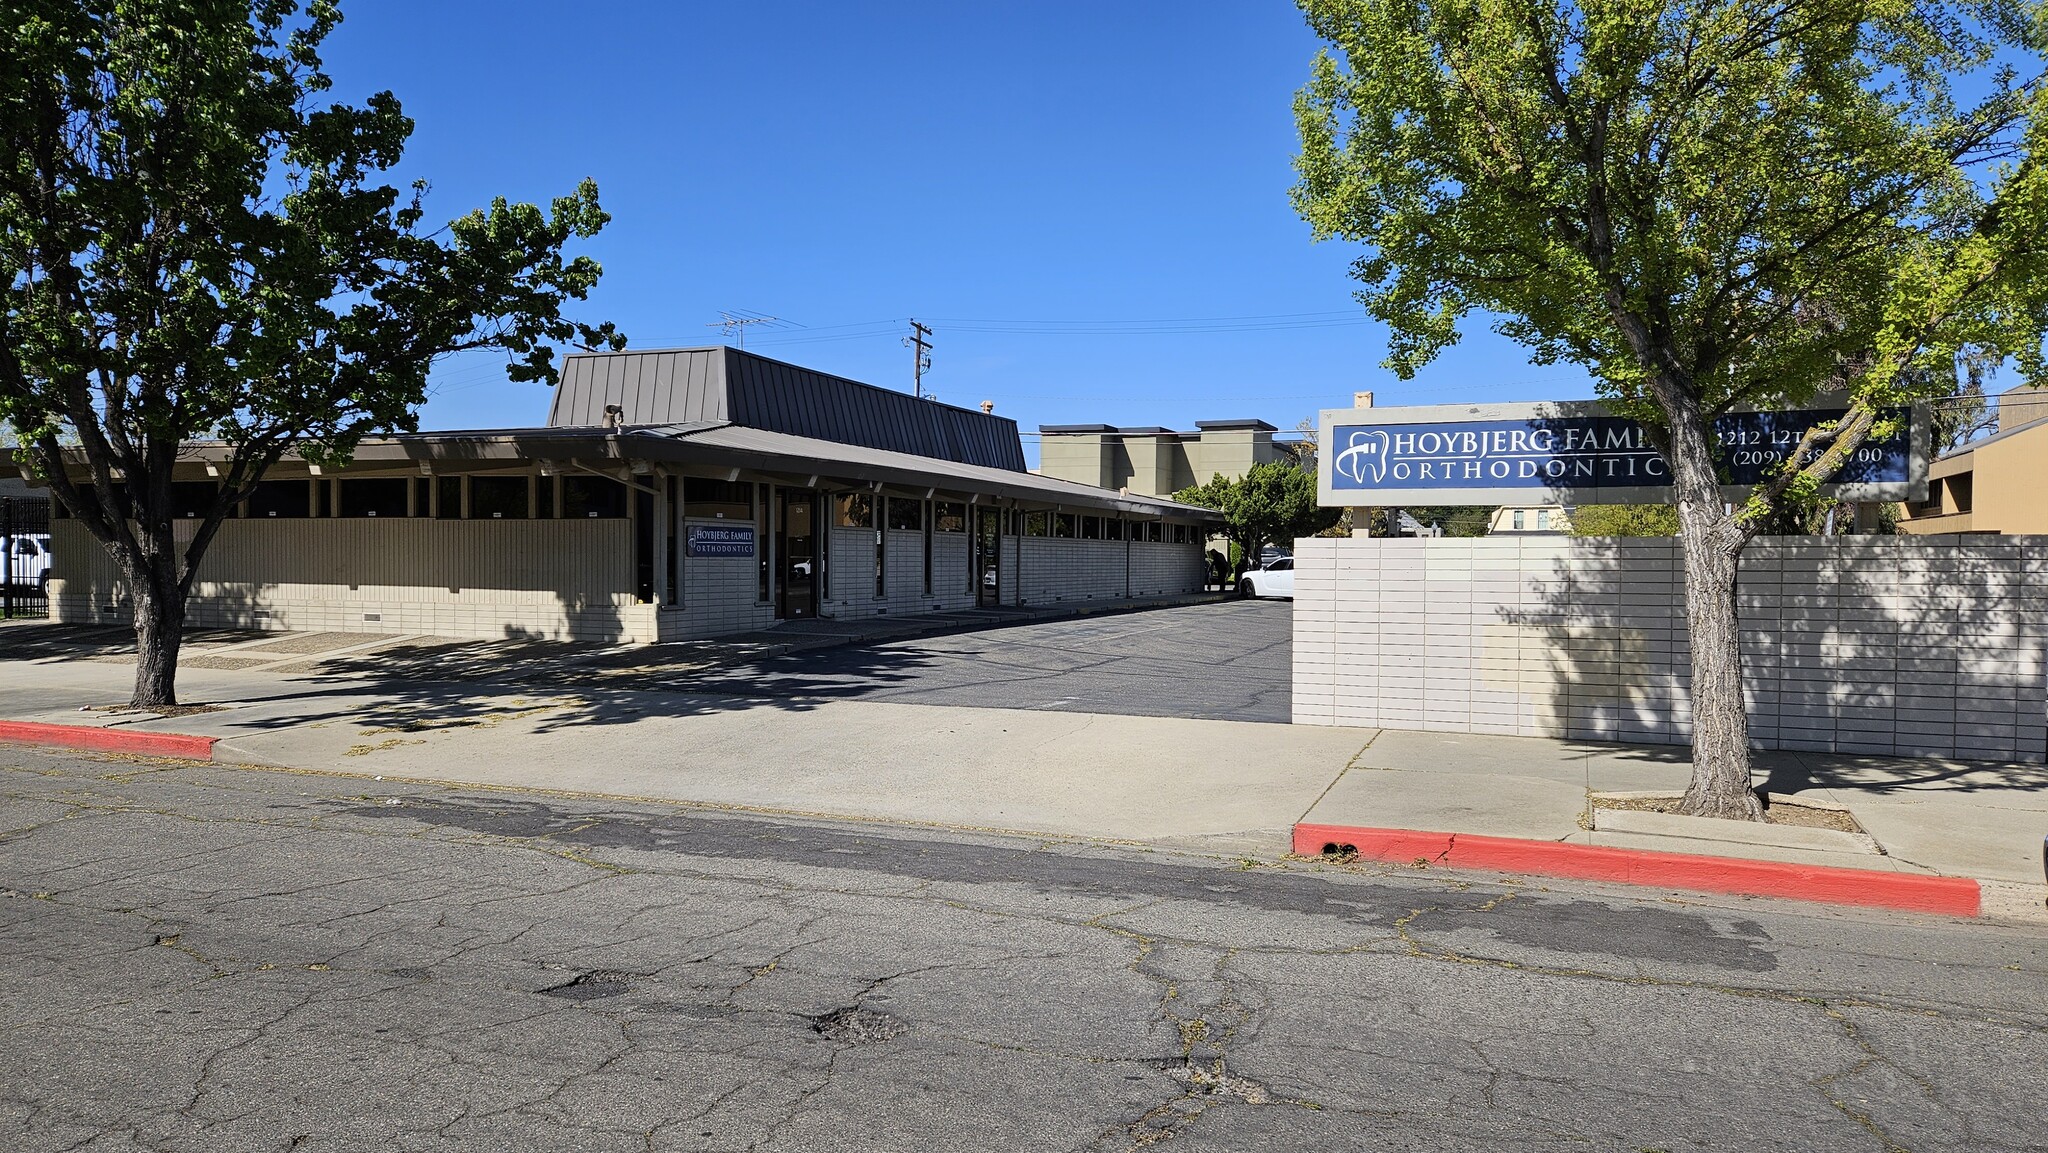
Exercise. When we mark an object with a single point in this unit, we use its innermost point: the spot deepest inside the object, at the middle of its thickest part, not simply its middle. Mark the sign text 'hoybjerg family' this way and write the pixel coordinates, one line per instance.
(1584, 452)
(721, 540)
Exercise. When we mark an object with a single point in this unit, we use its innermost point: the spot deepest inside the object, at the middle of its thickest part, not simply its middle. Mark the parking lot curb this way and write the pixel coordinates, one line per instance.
(109, 740)
(1953, 896)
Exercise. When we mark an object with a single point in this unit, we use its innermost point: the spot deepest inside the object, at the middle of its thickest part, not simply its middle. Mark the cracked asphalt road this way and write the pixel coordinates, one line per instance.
(204, 958)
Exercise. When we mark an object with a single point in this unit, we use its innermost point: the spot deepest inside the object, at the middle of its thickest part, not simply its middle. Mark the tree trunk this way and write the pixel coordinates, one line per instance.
(1711, 543)
(159, 625)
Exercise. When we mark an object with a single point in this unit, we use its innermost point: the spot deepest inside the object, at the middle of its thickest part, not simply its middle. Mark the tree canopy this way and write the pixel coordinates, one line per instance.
(1273, 503)
(1755, 203)
(196, 246)
(1709, 204)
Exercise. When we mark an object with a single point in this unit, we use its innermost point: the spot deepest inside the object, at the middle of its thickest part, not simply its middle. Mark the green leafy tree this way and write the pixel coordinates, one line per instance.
(196, 247)
(1624, 520)
(1273, 503)
(1707, 204)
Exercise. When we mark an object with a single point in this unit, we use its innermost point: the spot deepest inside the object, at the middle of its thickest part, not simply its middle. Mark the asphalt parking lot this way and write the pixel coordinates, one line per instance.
(1214, 660)
(1228, 660)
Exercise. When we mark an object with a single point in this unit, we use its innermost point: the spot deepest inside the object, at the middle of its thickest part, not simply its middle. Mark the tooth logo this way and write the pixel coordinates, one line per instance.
(1363, 452)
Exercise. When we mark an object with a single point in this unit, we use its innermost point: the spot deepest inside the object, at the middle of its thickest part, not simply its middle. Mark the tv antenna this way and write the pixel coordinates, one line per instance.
(734, 323)
(921, 354)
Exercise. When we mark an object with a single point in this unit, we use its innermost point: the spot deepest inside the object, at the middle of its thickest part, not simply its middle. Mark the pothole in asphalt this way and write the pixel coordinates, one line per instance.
(1217, 1080)
(592, 986)
(854, 1025)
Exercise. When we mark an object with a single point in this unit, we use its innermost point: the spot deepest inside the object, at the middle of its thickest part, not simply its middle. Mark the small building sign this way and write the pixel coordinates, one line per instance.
(1571, 453)
(726, 540)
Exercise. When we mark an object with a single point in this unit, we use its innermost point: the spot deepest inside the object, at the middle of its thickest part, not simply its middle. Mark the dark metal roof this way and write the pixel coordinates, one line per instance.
(653, 387)
(1260, 425)
(695, 384)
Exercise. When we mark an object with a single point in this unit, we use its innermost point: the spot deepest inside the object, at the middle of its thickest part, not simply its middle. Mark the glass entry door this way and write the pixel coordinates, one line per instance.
(988, 551)
(796, 593)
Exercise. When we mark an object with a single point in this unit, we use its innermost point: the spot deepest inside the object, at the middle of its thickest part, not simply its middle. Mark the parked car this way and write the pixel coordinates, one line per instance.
(1275, 580)
(29, 556)
(1271, 553)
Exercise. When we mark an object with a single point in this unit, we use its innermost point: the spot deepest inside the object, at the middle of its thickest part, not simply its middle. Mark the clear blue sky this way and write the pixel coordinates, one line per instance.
(1041, 182)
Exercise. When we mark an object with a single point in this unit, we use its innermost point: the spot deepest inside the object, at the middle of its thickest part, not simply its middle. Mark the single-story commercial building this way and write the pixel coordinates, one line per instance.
(672, 494)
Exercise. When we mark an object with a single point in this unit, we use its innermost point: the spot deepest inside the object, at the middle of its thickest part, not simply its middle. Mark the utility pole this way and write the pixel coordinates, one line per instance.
(921, 357)
(732, 324)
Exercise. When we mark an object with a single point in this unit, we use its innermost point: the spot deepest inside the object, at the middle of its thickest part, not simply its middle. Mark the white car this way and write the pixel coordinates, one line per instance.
(1275, 580)
(29, 560)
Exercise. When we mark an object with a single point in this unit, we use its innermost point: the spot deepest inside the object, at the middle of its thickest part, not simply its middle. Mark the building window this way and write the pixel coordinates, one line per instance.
(949, 516)
(1152, 531)
(854, 510)
(1112, 528)
(905, 514)
(1518, 518)
(497, 498)
(1063, 525)
(1038, 523)
(285, 498)
(448, 498)
(718, 499)
(592, 496)
(190, 499)
(382, 496)
(1543, 520)
(1091, 528)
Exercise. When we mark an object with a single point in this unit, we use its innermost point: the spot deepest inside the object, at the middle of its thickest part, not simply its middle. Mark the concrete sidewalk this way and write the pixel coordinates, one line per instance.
(1220, 786)
(1933, 817)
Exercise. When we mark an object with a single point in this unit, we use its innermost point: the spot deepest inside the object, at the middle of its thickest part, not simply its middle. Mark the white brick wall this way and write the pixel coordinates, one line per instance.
(1166, 568)
(1934, 646)
(853, 574)
(720, 595)
(1060, 569)
(1057, 570)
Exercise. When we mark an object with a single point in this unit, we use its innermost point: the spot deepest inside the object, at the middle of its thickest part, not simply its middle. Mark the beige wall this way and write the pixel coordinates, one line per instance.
(1080, 457)
(2020, 404)
(2010, 484)
(564, 579)
(1996, 486)
(1153, 464)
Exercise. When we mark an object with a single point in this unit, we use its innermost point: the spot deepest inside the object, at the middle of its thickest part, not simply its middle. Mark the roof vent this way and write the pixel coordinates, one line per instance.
(614, 416)
(988, 406)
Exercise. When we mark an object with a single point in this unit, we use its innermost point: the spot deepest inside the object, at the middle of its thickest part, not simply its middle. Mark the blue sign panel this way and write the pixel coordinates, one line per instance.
(727, 540)
(1584, 452)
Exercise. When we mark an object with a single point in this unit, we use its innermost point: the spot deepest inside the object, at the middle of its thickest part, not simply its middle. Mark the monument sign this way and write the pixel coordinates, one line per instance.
(1575, 452)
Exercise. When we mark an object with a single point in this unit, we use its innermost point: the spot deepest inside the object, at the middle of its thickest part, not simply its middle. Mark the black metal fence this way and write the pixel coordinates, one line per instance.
(24, 557)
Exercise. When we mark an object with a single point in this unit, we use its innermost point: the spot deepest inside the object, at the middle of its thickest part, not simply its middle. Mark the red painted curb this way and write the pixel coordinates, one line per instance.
(1955, 896)
(109, 740)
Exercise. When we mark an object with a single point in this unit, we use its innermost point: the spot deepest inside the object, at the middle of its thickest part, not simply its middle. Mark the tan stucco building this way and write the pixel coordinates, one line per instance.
(1995, 485)
(1154, 461)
